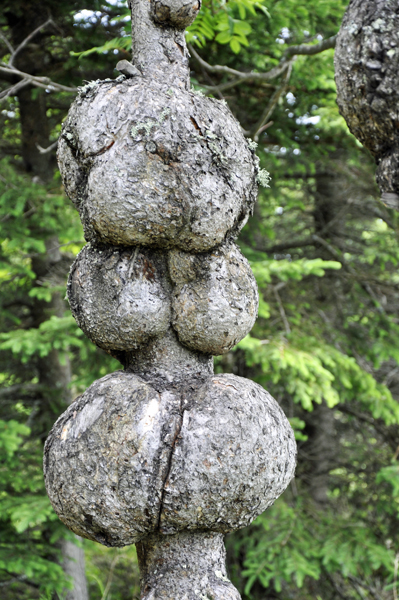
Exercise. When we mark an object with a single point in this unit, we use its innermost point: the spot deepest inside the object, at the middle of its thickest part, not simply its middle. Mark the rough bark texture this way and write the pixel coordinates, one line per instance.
(233, 457)
(108, 457)
(164, 454)
(188, 566)
(146, 163)
(124, 460)
(215, 301)
(367, 77)
(120, 297)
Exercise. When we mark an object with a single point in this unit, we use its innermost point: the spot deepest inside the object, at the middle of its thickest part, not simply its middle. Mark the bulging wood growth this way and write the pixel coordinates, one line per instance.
(367, 77)
(164, 453)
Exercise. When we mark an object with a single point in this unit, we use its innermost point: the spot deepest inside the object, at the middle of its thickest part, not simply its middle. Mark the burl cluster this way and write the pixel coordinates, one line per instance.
(164, 453)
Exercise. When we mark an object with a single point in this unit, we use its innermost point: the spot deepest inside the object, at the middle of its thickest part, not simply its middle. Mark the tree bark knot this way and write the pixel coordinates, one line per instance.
(164, 454)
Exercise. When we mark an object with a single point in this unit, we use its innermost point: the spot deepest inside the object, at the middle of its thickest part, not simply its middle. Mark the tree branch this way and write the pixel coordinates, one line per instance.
(27, 79)
(21, 390)
(287, 246)
(11, 91)
(310, 49)
(267, 113)
(43, 82)
(28, 39)
(7, 43)
(275, 72)
(52, 146)
(282, 311)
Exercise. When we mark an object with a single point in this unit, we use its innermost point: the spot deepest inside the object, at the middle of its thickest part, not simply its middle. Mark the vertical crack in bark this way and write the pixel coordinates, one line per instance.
(172, 449)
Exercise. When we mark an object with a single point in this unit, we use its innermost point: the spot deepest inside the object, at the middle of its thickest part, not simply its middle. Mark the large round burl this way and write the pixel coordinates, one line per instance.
(107, 457)
(215, 303)
(125, 461)
(146, 163)
(367, 77)
(120, 297)
(235, 454)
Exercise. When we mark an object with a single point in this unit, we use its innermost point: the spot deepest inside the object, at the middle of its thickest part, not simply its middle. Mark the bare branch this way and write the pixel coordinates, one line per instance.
(52, 146)
(366, 286)
(310, 49)
(43, 82)
(110, 577)
(7, 43)
(272, 74)
(267, 113)
(223, 86)
(282, 311)
(11, 91)
(21, 390)
(287, 246)
(28, 39)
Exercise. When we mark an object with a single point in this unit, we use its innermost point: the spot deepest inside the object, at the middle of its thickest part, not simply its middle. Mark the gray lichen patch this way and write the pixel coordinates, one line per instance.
(194, 186)
(107, 457)
(235, 455)
(215, 301)
(120, 297)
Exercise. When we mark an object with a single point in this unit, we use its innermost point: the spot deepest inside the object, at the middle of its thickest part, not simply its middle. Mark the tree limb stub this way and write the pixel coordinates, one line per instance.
(164, 454)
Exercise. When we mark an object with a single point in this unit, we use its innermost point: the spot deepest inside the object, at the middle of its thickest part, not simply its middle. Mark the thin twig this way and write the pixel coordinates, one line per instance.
(28, 39)
(110, 577)
(275, 72)
(7, 43)
(11, 91)
(282, 311)
(48, 149)
(43, 82)
(267, 113)
(310, 49)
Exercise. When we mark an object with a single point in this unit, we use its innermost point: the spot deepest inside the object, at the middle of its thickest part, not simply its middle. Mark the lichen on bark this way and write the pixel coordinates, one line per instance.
(164, 453)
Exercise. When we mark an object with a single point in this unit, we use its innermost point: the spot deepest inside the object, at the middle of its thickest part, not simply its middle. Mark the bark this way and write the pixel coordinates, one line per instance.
(215, 299)
(187, 565)
(74, 567)
(159, 166)
(164, 454)
(367, 77)
(320, 451)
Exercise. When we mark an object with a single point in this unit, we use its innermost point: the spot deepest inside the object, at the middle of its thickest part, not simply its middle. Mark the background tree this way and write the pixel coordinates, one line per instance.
(324, 250)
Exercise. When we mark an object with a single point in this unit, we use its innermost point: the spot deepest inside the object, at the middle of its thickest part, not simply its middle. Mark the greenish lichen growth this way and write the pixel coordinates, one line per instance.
(263, 178)
(198, 93)
(214, 148)
(92, 85)
(252, 145)
(149, 124)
